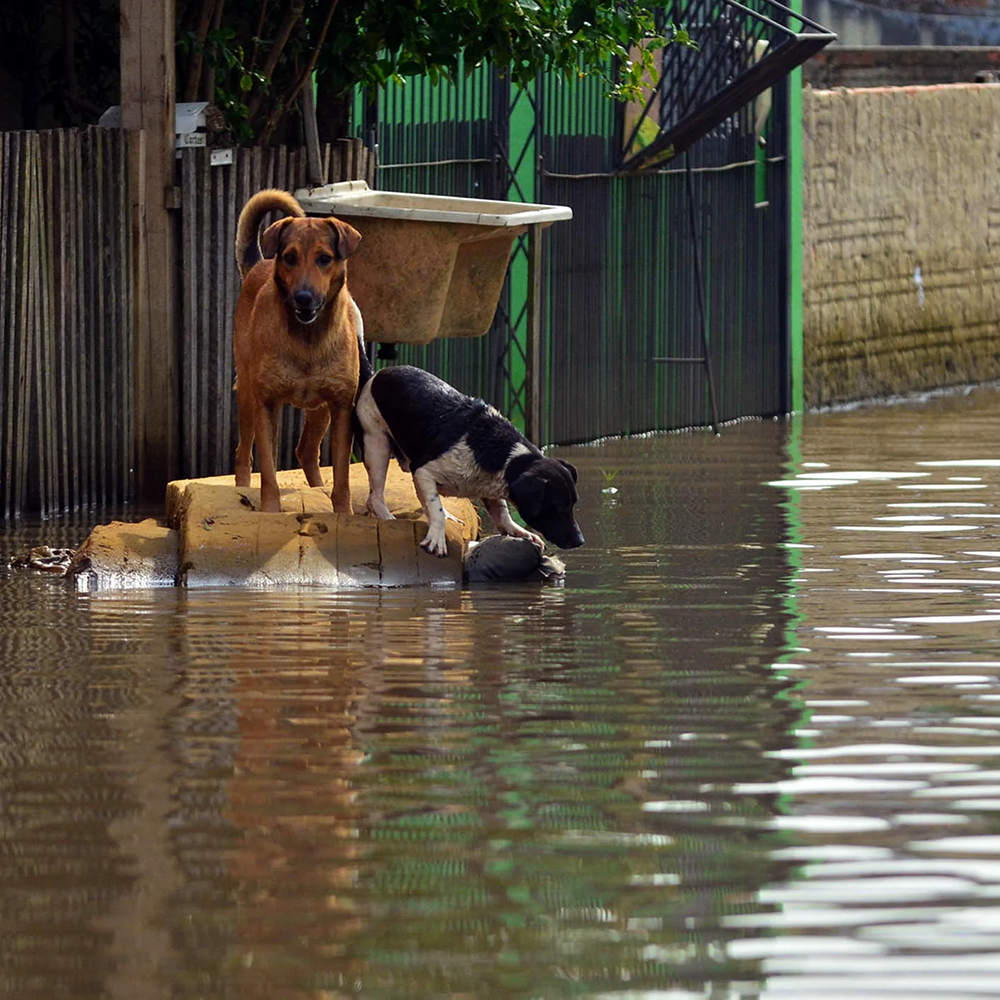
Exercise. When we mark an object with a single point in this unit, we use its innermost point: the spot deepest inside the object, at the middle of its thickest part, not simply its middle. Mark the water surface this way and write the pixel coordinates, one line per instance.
(750, 749)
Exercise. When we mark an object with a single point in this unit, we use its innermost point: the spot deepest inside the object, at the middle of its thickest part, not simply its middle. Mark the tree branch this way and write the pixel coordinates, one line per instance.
(205, 15)
(292, 15)
(256, 37)
(289, 96)
(208, 66)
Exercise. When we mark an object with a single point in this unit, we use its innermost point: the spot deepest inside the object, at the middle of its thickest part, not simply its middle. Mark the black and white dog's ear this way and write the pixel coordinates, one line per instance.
(528, 494)
(572, 468)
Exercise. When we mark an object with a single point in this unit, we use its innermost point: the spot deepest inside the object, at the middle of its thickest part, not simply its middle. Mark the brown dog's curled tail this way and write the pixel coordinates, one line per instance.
(248, 229)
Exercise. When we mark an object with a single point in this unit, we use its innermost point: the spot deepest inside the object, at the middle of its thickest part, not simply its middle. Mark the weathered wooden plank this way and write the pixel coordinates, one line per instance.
(111, 458)
(346, 159)
(88, 405)
(77, 340)
(207, 250)
(48, 385)
(231, 284)
(147, 74)
(64, 288)
(25, 330)
(336, 170)
(7, 166)
(102, 404)
(123, 320)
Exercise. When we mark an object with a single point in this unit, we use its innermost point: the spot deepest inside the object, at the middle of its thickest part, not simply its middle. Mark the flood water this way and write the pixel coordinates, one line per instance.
(751, 748)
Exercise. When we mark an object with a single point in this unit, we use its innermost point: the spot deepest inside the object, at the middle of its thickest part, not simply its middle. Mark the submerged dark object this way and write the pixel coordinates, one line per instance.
(44, 558)
(503, 558)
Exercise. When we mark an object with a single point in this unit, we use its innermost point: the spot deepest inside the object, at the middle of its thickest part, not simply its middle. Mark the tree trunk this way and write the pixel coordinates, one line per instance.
(207, 89)
(312, 135)
(333, 114)
(205, 15)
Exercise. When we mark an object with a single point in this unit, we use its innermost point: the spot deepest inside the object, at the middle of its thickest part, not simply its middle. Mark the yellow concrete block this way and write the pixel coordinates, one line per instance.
(318, 550)
(218, 551)
(358, 557)
(215, 495)
(200, 499)
(119, 555)
(217, 536)
(435, 570)
(278, 555)
(316, 500)
(398, 553)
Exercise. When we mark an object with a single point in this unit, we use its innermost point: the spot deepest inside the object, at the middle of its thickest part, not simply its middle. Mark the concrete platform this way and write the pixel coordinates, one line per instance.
(214, 535)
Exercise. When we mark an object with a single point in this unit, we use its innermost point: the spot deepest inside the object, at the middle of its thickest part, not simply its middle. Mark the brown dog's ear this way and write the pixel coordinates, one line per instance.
(271, 238)
(345, 238)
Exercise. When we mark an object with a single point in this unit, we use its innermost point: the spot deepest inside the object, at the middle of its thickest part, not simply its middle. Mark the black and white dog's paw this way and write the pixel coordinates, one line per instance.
(377, 508)
(514, 530)
(435, 541)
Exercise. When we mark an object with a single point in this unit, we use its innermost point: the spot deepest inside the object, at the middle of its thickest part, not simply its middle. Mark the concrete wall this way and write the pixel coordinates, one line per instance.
(901, 230)
(900, 65)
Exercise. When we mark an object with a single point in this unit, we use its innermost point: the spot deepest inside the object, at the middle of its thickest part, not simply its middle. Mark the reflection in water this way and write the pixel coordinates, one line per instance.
(751, 749)
(895, 775)
(503, 791)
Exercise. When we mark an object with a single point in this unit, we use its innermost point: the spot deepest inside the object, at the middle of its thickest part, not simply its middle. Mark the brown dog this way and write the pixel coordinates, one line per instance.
(297, 340)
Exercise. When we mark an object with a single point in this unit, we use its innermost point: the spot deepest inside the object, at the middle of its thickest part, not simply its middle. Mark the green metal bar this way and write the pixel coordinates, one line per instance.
(795, 309)
(521, 155)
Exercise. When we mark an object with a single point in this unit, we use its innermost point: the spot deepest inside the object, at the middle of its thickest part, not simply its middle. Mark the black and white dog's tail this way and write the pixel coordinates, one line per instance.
(365, 373)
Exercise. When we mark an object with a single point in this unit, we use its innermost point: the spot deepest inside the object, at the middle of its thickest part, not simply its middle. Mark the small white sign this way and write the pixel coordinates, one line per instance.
(188, 140)
(221, 157)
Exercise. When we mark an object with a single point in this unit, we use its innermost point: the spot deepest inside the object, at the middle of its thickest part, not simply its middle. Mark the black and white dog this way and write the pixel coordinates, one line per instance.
(459, 446)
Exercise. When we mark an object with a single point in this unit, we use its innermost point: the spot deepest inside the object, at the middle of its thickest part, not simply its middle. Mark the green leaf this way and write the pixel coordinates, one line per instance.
(246, 82)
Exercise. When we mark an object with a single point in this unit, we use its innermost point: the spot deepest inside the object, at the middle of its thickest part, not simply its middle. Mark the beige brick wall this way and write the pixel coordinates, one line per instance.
(896, 179)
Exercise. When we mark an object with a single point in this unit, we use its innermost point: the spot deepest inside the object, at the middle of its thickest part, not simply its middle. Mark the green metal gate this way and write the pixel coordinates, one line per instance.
(664, 302)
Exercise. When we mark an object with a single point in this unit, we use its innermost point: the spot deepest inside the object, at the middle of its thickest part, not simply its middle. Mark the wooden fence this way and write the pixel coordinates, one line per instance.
(211, 199)
(621, 324)
(67, 329)
(66, 415)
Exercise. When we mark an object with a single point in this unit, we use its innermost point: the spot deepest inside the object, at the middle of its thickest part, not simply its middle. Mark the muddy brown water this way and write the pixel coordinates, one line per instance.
(750, 749)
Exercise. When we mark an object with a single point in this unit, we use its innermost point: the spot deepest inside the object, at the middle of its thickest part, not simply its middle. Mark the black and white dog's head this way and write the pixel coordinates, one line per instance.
(544, 492)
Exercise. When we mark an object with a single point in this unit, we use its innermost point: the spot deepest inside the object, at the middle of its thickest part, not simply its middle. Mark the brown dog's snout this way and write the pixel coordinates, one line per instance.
(306, 299)
(307, 304)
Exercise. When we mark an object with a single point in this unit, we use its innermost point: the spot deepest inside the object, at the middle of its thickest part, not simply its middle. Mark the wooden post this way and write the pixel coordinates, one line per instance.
(533, 340)
(148, 110)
